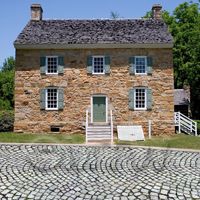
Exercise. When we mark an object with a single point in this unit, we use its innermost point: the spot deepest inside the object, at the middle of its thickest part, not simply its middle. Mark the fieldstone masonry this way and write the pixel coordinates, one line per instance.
(79, 86)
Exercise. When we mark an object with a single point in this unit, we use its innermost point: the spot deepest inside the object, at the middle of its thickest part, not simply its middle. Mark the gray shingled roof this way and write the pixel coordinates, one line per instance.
(125, 31)
(181, 97)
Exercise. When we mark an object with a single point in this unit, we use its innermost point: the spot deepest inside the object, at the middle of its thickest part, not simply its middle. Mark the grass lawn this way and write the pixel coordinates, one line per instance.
(175, 141)
(42, 138)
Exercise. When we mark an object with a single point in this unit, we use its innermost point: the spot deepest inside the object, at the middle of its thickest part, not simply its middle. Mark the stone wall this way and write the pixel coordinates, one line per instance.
(79, 86)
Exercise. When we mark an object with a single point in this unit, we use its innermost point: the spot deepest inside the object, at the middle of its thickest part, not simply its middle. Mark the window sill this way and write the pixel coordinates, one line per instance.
(140, 109)
(98, 73)
(51, 73)
(141, 74)
(51, 109)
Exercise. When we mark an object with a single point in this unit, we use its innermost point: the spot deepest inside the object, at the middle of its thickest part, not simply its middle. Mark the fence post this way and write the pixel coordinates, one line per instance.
(111, 124)
(179, 123)
(86, 127)
(149, 125)
(195, 128)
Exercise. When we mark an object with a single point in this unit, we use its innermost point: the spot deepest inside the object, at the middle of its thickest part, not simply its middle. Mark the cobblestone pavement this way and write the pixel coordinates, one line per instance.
(83, 172)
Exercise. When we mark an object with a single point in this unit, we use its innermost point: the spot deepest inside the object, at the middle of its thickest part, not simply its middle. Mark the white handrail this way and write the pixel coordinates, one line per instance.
(87, 126)
(184, 123)
(111, 126)
(182, 115)
(176, 117)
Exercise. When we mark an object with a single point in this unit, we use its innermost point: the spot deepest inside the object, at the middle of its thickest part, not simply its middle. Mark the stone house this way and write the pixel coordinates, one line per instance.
(64, 67)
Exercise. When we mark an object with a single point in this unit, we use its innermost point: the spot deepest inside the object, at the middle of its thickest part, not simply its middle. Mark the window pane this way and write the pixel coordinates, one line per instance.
(52, 65)
(52, 100)
(98, 64)
(140, 98)
(140, 65)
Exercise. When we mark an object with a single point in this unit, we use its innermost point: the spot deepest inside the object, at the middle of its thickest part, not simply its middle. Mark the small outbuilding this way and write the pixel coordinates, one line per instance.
(182, 101)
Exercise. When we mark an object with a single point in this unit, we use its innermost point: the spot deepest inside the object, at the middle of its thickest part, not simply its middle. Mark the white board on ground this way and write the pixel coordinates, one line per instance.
(130, 133)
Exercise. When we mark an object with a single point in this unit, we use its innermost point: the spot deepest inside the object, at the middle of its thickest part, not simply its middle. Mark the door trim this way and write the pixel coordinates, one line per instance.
(99, 95)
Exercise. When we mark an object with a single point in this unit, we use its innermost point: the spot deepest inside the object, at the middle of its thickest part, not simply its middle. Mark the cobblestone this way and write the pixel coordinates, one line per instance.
(83, 172)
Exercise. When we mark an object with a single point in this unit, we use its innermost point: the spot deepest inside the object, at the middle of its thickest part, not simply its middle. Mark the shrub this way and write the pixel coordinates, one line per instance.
(6, 121)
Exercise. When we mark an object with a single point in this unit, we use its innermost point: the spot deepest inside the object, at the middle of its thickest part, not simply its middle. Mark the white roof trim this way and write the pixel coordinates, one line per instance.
(91, 46)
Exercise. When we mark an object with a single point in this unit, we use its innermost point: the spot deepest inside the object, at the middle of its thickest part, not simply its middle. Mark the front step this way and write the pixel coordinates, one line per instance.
(99, 142)
(98, 133)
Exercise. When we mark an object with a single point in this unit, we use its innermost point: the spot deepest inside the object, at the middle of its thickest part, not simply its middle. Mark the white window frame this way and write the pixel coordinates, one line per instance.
(93, 57)
(47, 65)
(135, 108)
(145, 58)
(46, 99)
(91, 100)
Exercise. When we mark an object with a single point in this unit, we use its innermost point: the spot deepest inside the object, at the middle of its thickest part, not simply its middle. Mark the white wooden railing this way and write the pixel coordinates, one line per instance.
(88, 119)
(185, 124)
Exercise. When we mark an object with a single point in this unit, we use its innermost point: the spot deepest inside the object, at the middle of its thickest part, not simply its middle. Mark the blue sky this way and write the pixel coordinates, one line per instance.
(16, 13)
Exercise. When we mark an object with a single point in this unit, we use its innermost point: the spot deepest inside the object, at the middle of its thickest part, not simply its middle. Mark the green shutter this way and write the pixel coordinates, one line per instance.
(132, 65)
(107, 64)
(89, 64)
(131, 99)
(43, 65)
(149, 65)
(60, 99)
(149, 99)
(60, 65)
(42, 99)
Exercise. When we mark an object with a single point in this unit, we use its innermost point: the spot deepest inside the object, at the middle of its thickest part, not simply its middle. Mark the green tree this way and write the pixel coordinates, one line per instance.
(9, 64)
(184, 25)
(148, 15)
(7, 84)
(114, 15)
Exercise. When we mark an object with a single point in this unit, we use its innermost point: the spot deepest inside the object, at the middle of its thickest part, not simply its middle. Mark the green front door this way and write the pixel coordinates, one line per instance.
(99, 109)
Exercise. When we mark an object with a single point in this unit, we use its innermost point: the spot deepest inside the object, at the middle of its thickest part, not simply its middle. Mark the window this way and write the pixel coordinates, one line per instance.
(51, 99)
(140, 65)
(52, 65)
(98, 65)
(140, 98)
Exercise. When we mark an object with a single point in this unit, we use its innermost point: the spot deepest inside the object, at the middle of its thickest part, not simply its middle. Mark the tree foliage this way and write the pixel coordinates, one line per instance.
(184, 25)
(9, 64)
(6, 120)
(7, 84)
(114, 15)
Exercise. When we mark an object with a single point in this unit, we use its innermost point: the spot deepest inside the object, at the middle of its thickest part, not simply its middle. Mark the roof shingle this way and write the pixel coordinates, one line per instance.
(125, 31)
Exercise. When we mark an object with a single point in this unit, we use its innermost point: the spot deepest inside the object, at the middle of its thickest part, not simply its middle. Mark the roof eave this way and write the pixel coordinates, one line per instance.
(92, 46)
